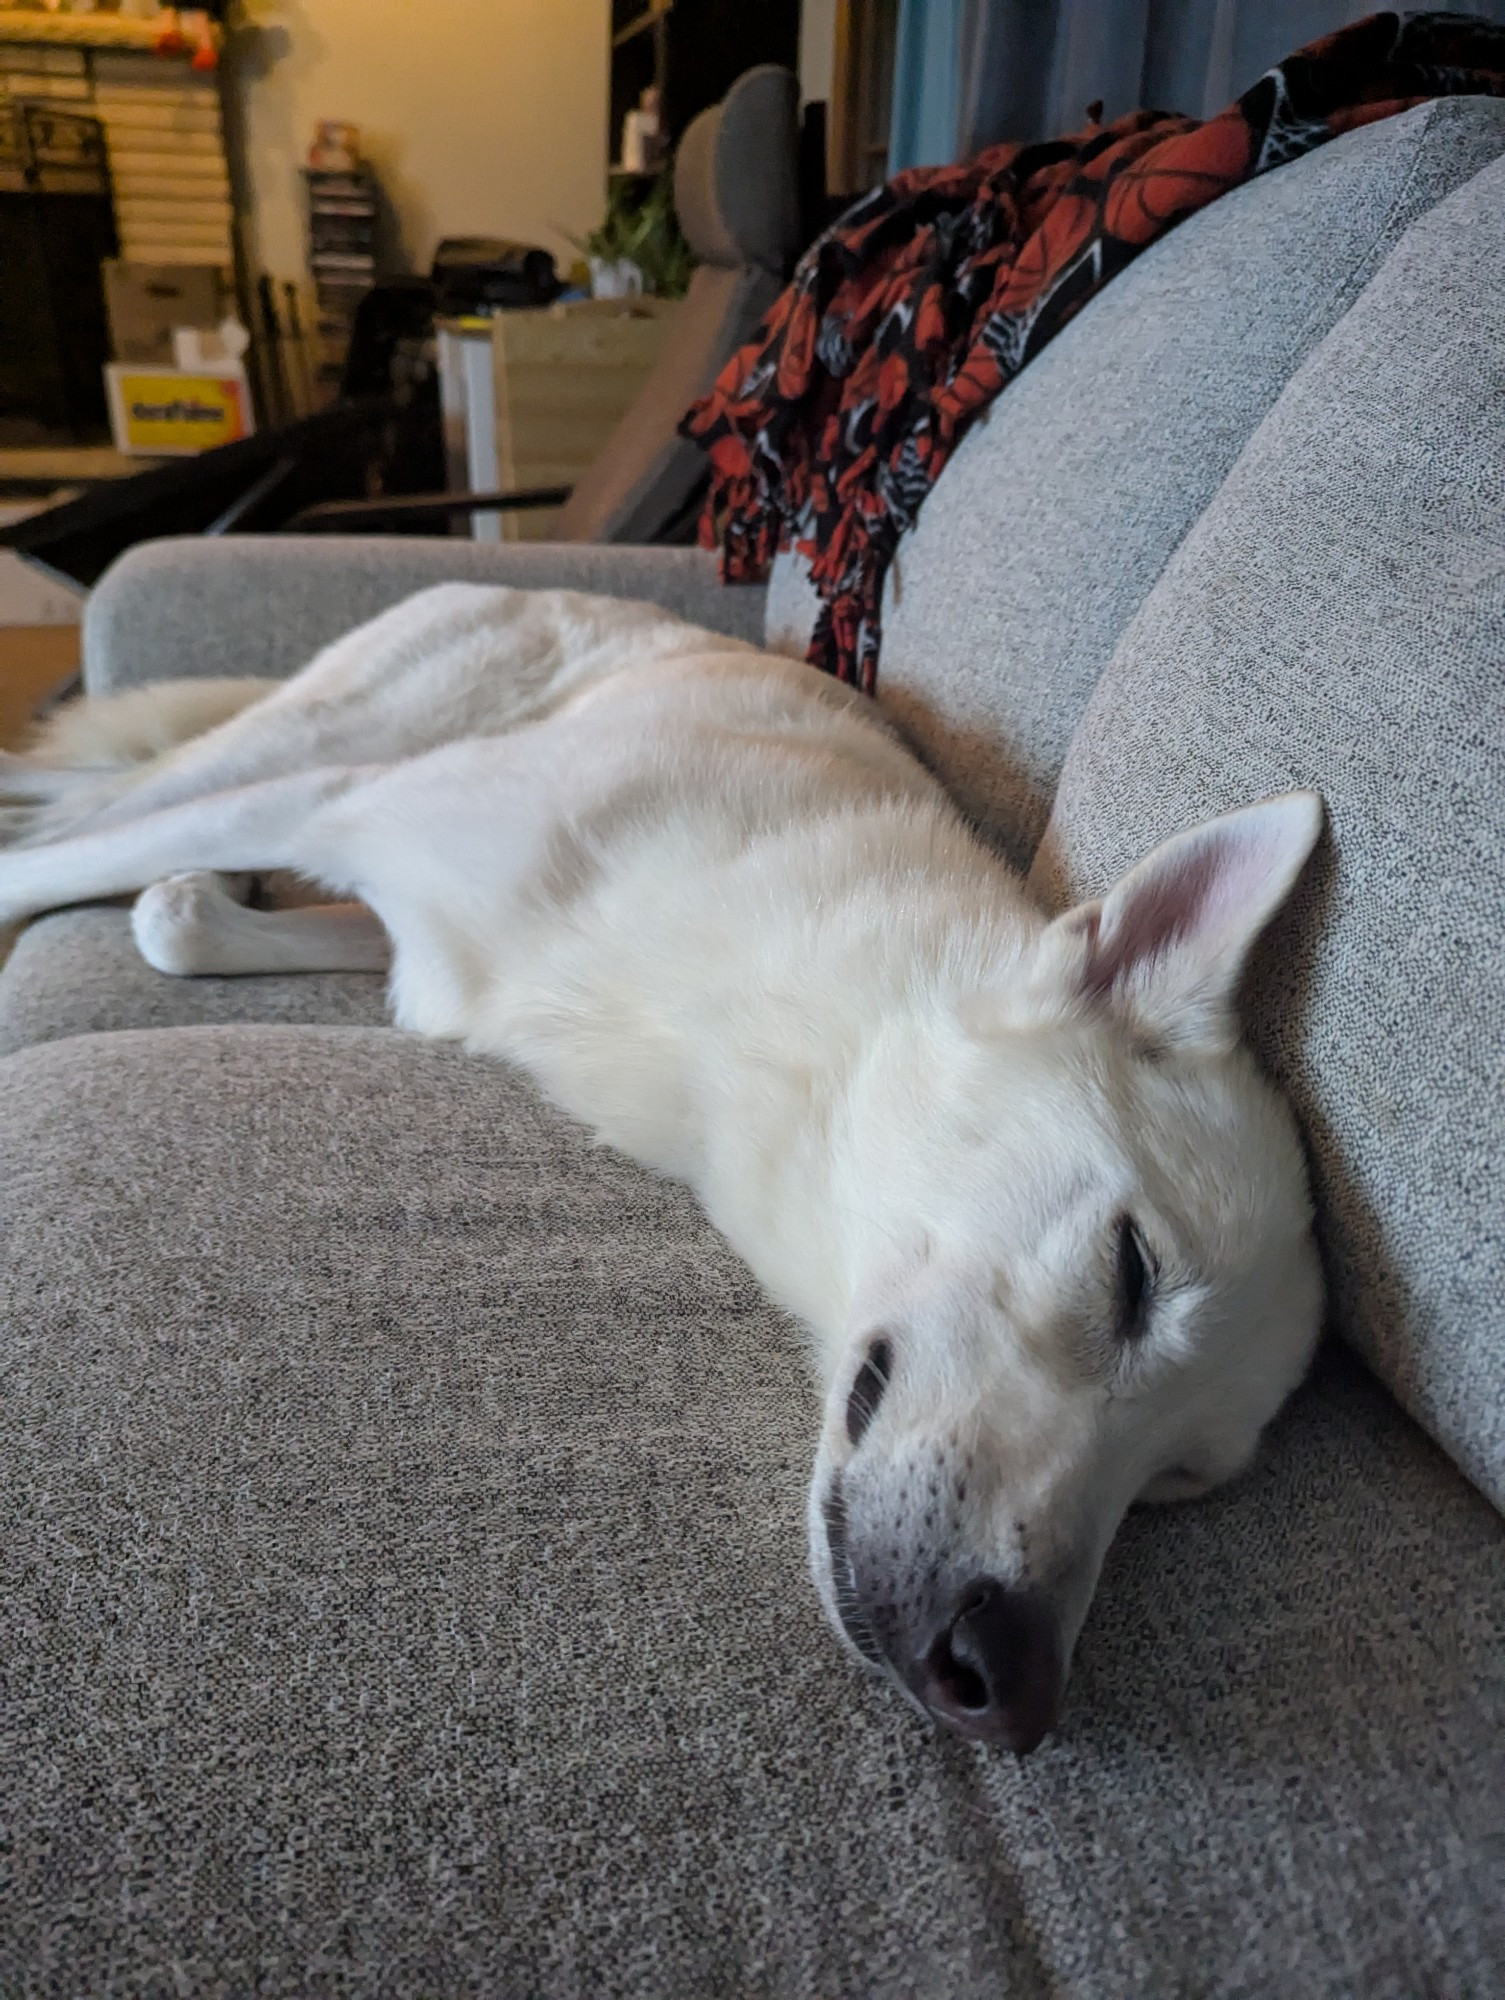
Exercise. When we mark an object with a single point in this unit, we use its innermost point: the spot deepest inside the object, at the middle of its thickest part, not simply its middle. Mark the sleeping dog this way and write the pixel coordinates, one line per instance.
(1048, 1227)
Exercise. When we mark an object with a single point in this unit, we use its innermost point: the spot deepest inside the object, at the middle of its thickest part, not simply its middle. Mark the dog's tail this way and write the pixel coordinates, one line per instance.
(112, 731)
(89, 751)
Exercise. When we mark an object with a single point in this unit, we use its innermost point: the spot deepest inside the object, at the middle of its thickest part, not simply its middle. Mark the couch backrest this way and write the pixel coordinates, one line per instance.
(1057, 515)
(1336, 619)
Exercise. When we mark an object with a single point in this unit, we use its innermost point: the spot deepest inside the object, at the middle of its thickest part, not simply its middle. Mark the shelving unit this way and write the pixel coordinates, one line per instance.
(56, 226)
(83, 31)
(342, 262)
(170, 177)
(162, 123)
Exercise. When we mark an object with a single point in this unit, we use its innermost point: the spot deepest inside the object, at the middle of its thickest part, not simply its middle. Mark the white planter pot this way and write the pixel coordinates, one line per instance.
(620, 279)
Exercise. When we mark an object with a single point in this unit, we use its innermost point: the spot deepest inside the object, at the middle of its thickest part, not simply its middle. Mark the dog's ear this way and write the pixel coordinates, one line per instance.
(1167, 945)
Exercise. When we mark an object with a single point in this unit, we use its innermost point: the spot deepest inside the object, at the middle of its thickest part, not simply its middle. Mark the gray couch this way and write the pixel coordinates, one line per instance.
(403, 1572)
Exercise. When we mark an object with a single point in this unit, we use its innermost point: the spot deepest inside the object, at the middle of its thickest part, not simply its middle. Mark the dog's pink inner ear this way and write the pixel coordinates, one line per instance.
(1142, 921)
(1171, 939)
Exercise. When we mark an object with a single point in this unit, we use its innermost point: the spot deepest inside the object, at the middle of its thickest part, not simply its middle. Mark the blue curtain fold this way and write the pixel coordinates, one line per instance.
(969, 73)
(930, 55)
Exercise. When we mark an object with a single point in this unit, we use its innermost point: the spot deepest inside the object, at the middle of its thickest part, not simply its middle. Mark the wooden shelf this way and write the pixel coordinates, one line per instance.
(642, 24)
(84, 31)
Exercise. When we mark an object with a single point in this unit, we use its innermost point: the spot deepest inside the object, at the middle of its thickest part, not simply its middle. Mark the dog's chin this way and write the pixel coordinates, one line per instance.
(847, 1624)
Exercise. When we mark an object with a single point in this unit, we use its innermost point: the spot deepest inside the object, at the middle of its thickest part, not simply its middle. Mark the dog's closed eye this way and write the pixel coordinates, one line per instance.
(1135, 1272)
(867, 1390)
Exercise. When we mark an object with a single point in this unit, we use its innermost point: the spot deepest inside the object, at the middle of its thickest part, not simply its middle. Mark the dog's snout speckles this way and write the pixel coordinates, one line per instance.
(867, 1390)
(897, 1537)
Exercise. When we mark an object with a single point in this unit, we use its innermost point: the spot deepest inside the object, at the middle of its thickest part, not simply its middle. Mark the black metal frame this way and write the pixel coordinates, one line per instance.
(332, 514)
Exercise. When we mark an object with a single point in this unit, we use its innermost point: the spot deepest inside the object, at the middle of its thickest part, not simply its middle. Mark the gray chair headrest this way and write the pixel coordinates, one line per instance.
(736, 186)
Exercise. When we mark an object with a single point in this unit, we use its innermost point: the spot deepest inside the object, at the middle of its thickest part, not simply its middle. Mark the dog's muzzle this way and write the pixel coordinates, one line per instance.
(985, 1661)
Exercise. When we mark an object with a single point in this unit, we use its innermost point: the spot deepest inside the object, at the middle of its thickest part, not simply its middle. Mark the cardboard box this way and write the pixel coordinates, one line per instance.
(157, 412)
(564, 376)
(146, 301)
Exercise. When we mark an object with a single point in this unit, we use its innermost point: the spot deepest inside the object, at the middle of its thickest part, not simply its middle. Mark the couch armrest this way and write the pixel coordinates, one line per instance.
(263, 604)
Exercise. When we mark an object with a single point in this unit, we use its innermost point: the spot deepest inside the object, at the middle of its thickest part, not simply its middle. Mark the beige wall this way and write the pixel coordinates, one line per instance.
(482, 117)
(817, 48)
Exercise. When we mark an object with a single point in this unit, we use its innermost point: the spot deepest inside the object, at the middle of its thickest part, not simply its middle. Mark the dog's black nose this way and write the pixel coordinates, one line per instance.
(994, 1670)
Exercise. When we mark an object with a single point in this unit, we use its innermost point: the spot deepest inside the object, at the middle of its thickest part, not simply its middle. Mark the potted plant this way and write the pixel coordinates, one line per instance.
(638, 245)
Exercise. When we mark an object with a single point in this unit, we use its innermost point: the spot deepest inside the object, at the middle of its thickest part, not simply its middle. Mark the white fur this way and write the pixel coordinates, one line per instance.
(137, 724)
(199, 923)
(721, 913)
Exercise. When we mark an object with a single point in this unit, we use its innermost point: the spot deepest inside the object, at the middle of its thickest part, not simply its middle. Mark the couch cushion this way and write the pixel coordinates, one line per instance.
(1058, 513)
(265, 604)
(404, 1583)
(1337, 619)
(77, 971)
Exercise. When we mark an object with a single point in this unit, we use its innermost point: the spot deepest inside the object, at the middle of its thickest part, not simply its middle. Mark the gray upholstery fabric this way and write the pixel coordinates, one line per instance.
(645, 474)
(793, 606)
(736, 174)
(78, 971)
(1337, 619)
(1058, 513)
(405, 1593)
(264, 604)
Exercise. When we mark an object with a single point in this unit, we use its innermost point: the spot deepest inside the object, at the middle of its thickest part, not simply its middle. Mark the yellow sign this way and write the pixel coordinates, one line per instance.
(163, 410)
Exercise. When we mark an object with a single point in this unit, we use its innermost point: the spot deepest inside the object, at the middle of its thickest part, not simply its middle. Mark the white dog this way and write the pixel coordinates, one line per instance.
(1049, 1227)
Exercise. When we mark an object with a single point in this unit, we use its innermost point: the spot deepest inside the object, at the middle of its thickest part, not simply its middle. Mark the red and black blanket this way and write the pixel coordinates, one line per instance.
(907, 318)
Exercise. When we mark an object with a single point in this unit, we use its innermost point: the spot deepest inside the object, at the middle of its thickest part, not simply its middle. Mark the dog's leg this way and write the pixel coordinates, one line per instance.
(35, 797)
(259, 827)
(457, 661)
(422, 672)
(196, 924)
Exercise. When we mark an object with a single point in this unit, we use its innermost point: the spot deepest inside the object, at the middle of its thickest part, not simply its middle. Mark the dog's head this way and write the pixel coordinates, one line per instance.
(1095, 1281)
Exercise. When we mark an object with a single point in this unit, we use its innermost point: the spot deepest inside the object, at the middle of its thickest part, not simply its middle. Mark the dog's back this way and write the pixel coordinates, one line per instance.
(450, 663)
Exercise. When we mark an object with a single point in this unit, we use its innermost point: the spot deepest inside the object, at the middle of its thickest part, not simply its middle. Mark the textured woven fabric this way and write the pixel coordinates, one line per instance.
(402, 1553)
(1059, 512)
(264, 604)
(77, 972)
(909, 316)
(1337, 619)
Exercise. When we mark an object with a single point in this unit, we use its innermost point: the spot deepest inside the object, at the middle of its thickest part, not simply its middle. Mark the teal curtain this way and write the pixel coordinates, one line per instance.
(971, 72)
(929, 68)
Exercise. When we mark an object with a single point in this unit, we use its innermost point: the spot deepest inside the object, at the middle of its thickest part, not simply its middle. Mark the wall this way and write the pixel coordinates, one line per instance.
(482, 117)
(817, 48)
